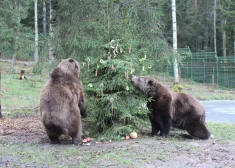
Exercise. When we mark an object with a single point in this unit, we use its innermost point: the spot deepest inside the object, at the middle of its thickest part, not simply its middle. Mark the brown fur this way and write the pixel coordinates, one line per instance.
(0, 111)
(62, 102)
(169, 108)
(22, 75)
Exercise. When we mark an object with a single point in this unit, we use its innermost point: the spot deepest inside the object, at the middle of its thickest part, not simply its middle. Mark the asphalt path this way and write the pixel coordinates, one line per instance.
(222, 111)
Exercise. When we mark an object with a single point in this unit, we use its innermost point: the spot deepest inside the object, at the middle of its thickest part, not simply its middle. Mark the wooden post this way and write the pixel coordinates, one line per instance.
(213, 82)
(179, 72)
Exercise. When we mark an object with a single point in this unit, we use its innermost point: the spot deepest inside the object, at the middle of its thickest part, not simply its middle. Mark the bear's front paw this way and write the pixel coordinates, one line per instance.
(163, 134)
(84, 116)
(152, 134)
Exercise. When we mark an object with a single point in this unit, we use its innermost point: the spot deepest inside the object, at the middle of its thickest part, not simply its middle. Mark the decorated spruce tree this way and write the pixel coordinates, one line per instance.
(116, 107)
(111, 40)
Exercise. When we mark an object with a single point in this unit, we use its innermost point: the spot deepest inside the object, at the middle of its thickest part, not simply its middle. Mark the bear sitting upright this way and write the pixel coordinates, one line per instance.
(172, 109)
(62, 102)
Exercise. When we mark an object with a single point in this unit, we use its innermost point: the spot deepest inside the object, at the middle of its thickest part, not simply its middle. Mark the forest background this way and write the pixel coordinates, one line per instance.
(112, 39)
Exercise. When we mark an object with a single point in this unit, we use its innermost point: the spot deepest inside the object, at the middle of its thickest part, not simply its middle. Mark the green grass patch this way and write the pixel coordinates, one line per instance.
(21, 92)
(35, 155)
(18, 94)
(222, 131)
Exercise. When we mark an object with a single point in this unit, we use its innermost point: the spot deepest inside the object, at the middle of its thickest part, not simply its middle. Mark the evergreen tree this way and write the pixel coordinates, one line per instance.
(111, 39)
(226, 25)
(115, 107)
(16, 39)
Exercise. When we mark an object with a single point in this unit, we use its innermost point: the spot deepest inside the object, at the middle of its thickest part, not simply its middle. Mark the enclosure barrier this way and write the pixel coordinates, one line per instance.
(206, 67)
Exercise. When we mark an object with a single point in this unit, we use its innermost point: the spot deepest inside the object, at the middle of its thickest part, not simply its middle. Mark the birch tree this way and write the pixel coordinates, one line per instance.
(14, 45)
(174, 29)
(215, 45)
(36, 32)
(53, 6)
(44, 19)
(224, 36)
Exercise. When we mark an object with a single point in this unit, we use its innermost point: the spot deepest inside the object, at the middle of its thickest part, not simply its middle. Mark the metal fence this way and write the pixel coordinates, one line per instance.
(207, 67)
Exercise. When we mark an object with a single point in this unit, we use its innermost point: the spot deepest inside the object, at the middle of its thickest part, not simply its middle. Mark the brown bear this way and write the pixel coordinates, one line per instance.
(62, 102)
(172, 109)
(22, 75)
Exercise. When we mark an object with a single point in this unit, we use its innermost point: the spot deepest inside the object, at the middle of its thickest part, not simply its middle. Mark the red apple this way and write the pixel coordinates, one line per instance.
(88, 139)
(127, 138)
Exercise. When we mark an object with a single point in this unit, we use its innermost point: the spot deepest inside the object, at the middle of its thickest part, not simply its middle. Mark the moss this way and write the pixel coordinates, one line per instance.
(177, 87)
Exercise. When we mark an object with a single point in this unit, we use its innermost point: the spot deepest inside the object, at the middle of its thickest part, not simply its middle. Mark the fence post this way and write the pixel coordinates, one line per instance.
(191, 73)
(179, 72)
(213, 82)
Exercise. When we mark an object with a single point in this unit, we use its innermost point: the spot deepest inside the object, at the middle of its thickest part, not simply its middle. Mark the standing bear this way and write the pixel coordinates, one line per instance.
(172, 109)
(62, 102)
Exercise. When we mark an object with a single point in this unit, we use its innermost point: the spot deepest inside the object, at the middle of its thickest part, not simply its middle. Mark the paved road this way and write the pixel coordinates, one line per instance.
(220, 110)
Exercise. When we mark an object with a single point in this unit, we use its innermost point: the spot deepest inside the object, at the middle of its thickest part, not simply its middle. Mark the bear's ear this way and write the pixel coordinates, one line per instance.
(71, 60)
(150, 82)
(55, 73)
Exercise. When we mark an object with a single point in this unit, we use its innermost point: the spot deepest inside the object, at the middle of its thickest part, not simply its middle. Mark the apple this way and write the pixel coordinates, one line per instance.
(122, 138)
(127, 137)
(133, 135)
(88, 139)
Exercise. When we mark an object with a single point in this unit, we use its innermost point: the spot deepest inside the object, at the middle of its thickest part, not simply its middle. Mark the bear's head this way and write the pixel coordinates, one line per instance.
(145, 85)
(70, 65)
(66, 67)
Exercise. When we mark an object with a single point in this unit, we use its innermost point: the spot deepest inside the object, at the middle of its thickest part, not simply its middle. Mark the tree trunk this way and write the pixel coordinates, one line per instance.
(44, 19)
(234, 40)
(195, 8)
(224, 37)
(53, 6)
(174, 28)
(13, 61)
(36, 31)
(0, 94)
(215, 45)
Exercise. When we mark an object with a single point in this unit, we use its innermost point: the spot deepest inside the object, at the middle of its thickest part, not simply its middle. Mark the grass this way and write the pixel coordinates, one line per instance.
(20, 92)
(34, 155)
(222, 131)
(202, 91)
(18, 95)
(144, 151)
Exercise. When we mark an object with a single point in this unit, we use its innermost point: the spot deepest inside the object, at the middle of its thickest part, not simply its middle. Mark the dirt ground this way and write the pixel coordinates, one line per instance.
(144, 151)
(176, 151)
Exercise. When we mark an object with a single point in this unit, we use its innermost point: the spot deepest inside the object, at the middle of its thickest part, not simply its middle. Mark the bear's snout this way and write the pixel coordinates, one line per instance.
(133, 78)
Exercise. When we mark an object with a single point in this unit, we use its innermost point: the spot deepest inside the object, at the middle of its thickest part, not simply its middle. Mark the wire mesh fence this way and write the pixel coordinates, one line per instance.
(207, 67)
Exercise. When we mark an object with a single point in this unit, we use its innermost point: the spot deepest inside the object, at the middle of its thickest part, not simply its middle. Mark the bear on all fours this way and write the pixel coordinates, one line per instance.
(172, 109)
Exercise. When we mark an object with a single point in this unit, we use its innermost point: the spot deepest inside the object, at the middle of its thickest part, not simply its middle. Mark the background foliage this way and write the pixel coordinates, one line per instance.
(111, 42)
(111, 39)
